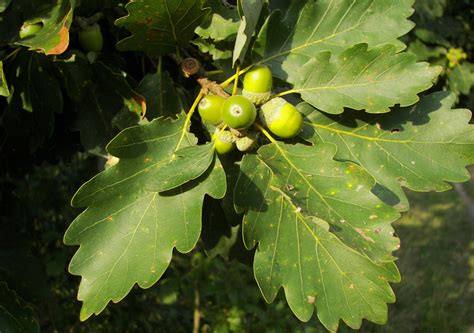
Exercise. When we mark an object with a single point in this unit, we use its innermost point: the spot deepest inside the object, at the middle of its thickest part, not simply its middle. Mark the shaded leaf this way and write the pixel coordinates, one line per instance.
(221, 25)
(104, 101)
(161, 97)
(461, 78)
(217, 52)
(53, 38)
(321, 233)
(157, 27)
(374, 80)
(251, 12)
(37, 90)
(14, 316)
(4, 4)
(287, 42)
(127, 233)
(4, 91)
(405, 147)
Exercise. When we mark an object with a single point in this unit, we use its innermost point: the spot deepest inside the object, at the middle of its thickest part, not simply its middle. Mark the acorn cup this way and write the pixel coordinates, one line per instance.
(224, 141)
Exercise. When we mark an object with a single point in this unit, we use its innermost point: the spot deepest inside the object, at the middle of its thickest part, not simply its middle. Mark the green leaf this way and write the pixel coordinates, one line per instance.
(161, 97)
(104, 101)
(222, 25)
(321, 233)
(251, 12)
(158, 27)
(461, 78)
(288, 42)
(424, 52)
(53, 38)
(217, 52)
(128, 232)
(374, 80)
(421, 147)
(14, 316)
(4, 91)
(37, 90)
(4, 4)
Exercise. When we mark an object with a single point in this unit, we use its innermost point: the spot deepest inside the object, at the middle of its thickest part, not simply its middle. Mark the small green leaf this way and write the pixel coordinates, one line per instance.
(4, 91)
(127, 233)
(251, 12)
(14, 316)
(461, 78)
(421, 147)
(217, 52)
(222, 25)
(158, 27)
(287, 42)
(374, 80)
(321, 233)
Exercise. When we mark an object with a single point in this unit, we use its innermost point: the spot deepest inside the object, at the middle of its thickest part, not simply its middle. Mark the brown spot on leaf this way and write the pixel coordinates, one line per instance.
(63, 42)
(364, 236)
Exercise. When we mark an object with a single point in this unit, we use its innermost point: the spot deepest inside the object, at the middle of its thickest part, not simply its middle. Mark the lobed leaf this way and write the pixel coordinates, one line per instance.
(321, 233)
(374, 79)
(128, 232)
(221, 25)
(158, 27)
(421, 147)
(287, 42)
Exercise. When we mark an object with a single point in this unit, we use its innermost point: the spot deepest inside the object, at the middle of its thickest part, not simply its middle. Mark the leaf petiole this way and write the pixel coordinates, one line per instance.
(188, 119)
(236, 80)
(287, 92)
(232, 78)
(265, 132)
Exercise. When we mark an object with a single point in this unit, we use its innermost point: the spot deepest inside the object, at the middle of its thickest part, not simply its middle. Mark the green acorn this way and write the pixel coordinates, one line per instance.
(281, 118)
(258, 84)
(247, 142)
(224, 142)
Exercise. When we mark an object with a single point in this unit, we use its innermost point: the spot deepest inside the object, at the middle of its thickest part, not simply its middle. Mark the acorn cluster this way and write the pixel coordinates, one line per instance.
(240, 112)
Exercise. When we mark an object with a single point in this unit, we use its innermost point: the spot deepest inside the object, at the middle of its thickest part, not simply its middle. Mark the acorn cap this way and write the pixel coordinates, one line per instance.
(257, 98)
(248, 142)
(268, 111)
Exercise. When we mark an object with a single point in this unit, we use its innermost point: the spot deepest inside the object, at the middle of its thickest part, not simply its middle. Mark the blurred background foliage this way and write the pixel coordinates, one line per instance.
(219, 294)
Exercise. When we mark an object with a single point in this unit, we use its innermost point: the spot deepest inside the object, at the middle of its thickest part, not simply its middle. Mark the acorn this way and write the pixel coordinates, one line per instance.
(247, 142)
(258, 84)
(281, 118)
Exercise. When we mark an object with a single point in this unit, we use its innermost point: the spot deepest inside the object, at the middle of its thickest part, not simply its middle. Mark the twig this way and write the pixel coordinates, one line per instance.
(197, 312)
